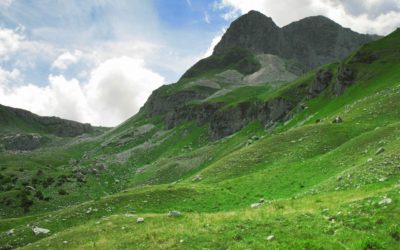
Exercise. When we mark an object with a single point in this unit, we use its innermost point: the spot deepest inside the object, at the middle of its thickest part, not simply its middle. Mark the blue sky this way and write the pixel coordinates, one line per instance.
(70, 25)
(97, 61)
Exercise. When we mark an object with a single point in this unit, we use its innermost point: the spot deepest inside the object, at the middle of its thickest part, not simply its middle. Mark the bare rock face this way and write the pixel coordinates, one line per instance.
(309, 42)
(254, 50)
(65, 128)
(23, 142)
(253, 31)
(272, 69)
(226, 122)
(237, 58)
(322, 80)
(345, 78)
(160, 103)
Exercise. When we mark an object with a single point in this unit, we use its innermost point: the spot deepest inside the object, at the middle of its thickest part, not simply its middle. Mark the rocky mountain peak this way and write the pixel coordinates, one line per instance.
(253, 31)
(254, 48)
(309, 42)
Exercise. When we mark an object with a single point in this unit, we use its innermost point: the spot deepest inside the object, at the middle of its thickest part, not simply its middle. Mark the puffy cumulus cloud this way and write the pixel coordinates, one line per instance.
(10, 41)
(115, 91)
(118, 88)
(67, 58)
(366, 16)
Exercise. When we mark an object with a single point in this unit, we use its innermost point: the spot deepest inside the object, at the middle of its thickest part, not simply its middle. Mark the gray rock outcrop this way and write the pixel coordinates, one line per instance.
(322, 80)
(290, 50)
(23, 142)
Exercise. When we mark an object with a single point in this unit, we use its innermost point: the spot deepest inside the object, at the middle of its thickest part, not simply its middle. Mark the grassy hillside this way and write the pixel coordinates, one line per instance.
(312, 184)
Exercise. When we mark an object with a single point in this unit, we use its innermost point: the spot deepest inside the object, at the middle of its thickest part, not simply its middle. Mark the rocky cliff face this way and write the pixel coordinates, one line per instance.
(23, 142)
(287, 51)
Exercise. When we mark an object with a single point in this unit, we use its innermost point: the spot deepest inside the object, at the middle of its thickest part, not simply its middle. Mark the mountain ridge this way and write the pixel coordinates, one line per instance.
(300, 46)
(305, 41)
(50, 124)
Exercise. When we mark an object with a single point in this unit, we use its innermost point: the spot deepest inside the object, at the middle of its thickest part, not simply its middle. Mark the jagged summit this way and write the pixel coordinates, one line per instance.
(253, 31)
(309, 42)
(316, 19)
(254, 51)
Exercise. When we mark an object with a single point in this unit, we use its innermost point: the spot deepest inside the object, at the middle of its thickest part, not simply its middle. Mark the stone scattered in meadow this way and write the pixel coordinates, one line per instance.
(174, 213)
(380, 151)
(256, 205)
(385, 201)
(38, 230)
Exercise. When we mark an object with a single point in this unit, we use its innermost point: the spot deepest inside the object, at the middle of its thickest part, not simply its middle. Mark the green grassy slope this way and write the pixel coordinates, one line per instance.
(13, 120)
(324, 185)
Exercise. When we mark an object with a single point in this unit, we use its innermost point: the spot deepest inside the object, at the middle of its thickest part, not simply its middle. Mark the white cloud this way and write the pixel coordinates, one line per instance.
(66, 59)
(115, 91)
(214, 42)
(7, 77)
(118, 88)
(370, 16)
(10, 41)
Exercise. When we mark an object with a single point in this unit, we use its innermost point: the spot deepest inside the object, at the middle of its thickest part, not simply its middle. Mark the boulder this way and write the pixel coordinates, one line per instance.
(383, 179)
(197, 178)
(256, 205)
(385, 201)
(337, 119)
(10, 232)
(174, 213)
(38, 230)
(380, 151)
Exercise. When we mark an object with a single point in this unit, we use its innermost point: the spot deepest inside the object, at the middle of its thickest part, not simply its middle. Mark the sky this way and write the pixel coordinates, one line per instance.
(97, 61)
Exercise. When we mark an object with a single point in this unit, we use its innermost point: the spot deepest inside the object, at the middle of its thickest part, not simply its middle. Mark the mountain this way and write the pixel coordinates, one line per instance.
(303, 45)
(253, 51)
(310, 42)
(220, 160)
(23, 130)
(19, 120)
